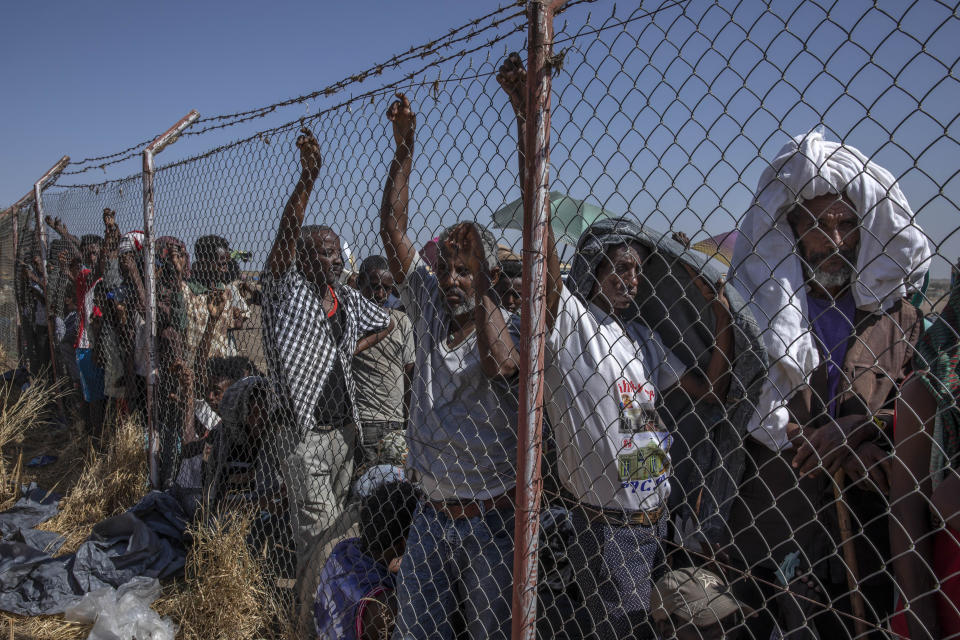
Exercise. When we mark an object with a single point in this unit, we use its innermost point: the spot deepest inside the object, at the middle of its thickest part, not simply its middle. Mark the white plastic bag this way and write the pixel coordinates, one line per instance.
(124, 613)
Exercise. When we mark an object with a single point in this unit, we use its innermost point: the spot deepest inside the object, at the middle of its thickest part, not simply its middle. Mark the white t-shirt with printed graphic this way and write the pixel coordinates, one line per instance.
(602, 383)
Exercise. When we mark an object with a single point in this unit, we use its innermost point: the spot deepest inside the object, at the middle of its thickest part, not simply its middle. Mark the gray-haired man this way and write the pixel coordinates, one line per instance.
(462, 422)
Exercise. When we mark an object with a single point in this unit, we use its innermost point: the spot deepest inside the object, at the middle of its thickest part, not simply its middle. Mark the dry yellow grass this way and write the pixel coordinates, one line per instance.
(111, 482)
(42, 628)
(225, 594)
(19, 412)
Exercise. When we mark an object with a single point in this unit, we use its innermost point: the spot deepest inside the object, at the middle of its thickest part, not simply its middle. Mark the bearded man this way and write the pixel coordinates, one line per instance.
(827, 255)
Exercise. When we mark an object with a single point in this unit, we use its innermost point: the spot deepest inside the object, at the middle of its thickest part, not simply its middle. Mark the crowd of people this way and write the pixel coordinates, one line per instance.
(764, 455)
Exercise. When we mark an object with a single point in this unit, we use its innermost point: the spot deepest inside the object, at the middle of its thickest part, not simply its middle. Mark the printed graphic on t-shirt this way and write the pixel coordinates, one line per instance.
(642, 462)
(636, 407)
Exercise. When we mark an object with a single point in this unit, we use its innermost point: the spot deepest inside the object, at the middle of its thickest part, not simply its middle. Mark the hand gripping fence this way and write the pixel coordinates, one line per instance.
(580, 320)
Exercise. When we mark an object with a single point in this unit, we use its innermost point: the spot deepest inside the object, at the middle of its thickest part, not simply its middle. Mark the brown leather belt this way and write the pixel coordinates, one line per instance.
(612, 516)
(465, 509)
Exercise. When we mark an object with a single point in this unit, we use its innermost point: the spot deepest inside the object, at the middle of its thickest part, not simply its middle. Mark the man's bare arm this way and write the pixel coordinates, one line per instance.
(111, 240)
(498, 352)
(371, 339)
(60, 227)
(284, 250)
(396, 191)
(499, 356)
(513, 79)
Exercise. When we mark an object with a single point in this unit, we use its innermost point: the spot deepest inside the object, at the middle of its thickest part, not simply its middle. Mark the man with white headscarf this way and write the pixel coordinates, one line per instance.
(827, 254)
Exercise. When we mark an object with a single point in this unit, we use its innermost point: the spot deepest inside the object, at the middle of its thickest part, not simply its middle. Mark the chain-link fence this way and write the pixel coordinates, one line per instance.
(9, 318)
(736, 347)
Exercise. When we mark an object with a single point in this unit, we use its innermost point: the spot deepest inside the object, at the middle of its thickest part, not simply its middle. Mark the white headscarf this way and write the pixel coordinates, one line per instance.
(892, 259)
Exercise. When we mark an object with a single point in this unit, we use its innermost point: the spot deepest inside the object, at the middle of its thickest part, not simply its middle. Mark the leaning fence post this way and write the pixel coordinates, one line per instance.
(161, 142)
(533, 317)
(46, 180)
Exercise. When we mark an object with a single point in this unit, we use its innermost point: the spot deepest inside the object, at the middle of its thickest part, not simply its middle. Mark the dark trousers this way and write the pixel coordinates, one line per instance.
(777, 517)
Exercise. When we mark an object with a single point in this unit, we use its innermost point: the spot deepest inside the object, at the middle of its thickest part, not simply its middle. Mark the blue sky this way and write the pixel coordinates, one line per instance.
(89, 78)
(666, 118)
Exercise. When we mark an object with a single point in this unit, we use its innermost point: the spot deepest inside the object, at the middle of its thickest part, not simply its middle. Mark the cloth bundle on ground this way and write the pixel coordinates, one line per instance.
(17, 523)
(708, 441)
(145, 541)
(892, 260)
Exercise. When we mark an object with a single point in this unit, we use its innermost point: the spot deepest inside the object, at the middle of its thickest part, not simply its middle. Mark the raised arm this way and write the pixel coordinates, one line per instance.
(130, 269)
(498, 352)
(284, 250)
(396, 191)
(513, 79)
(216, 301)
(32, 273)
(111, 240)
(60, 227)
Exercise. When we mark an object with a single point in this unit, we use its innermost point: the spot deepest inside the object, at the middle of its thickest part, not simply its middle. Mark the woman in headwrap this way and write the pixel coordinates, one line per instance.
(925, 485)
(236, 467)
(609, 370)
(637, 328)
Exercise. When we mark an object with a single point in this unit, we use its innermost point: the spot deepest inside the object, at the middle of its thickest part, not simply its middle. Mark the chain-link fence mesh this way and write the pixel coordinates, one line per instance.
(753, 212)
(9, 318)
(26, 290)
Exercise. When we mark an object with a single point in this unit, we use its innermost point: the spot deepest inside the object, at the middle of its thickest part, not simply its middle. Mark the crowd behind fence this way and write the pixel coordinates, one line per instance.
(656, 337)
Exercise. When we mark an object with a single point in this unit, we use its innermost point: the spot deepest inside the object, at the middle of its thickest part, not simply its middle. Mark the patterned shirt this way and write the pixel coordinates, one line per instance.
(195, 301)
(300, 347)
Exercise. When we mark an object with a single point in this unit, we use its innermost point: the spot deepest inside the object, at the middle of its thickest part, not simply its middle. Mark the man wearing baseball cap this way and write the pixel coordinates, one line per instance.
(697, 604)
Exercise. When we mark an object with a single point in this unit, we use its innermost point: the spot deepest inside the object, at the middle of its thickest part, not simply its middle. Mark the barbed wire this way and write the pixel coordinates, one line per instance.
(420, 51)
(415, 52)
(388, 89)
(618, 23)
(240, 117)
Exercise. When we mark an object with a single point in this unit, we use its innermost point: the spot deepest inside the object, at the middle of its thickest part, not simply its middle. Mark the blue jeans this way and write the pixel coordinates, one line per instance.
(91, 376)
(463, 565)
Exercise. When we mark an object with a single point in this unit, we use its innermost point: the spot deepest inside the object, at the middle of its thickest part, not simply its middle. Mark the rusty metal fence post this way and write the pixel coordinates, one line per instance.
(533, 317)
(159, 144)
(48, 178)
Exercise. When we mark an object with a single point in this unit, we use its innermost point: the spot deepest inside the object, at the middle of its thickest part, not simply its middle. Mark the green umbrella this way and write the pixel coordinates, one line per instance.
(569, 217)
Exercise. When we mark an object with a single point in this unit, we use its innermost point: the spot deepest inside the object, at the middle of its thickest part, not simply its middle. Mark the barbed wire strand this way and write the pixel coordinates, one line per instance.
(419, 51)
(401, 84)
